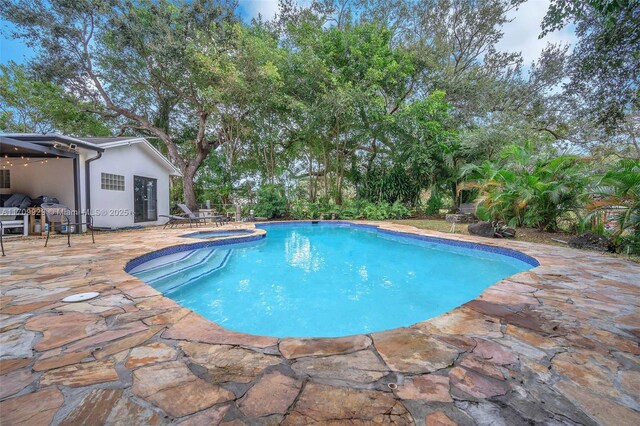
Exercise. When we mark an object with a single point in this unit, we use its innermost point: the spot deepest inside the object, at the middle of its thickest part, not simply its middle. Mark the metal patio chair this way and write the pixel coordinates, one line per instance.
(61, 214)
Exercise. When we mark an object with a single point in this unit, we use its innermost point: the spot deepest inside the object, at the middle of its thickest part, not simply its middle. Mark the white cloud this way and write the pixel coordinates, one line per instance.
(266, 8)
(521, 34)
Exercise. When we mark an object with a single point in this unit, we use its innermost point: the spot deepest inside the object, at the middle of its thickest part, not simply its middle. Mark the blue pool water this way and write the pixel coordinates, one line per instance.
(307, 280)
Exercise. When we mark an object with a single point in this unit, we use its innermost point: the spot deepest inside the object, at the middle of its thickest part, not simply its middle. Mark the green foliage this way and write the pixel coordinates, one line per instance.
(399, 211)
(527, 190)
(272, 202)
(367, 101)
(604, 67)
(618, 190)
(384, 210)
(29, 105)
(434, 204)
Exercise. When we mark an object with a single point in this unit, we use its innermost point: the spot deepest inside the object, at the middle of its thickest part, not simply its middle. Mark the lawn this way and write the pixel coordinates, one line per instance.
(523, 234)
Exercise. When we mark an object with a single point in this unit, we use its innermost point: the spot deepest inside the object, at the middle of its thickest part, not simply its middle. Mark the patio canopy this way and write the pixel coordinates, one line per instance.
(36, 149)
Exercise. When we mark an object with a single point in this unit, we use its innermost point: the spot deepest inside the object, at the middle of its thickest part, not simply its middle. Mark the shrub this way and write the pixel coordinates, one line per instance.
(399, 211)
(271, 202)
(525, 190)
(434, 204)
(349, 210)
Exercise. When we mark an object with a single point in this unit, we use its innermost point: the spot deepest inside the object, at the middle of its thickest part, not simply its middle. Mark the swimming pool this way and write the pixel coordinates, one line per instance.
(327, 279)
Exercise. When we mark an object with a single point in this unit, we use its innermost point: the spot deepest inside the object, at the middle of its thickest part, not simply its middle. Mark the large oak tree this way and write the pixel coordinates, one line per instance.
(163, 68)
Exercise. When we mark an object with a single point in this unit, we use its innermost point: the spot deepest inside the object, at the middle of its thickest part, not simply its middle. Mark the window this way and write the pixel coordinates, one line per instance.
(5, 179)
(112, 182)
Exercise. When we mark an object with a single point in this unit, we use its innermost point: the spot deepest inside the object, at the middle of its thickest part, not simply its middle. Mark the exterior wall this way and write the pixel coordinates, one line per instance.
(53, 178)
(115, 209)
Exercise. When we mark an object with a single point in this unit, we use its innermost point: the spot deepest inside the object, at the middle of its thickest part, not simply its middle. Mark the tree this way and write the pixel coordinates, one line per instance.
(162, 67)
(31, 106)
(605, 66)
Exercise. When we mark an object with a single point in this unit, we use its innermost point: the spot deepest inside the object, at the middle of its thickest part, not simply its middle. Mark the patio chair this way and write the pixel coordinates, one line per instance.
(175, 220)
(60, 214)
(217, 219)
(250, 218)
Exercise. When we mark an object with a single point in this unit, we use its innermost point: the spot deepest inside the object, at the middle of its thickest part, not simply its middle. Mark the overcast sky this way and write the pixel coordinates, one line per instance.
(519, 35)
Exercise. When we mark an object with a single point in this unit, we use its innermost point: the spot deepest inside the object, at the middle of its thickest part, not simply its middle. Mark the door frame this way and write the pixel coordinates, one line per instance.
(155, 189)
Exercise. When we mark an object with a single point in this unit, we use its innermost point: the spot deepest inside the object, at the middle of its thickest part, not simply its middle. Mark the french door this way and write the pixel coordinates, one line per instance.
(145, 199)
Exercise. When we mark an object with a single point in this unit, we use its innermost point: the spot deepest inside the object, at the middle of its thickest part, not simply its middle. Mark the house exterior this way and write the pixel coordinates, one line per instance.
(120, 181)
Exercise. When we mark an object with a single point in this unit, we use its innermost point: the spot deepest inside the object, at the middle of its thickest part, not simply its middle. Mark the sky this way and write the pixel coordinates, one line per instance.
(519, 35)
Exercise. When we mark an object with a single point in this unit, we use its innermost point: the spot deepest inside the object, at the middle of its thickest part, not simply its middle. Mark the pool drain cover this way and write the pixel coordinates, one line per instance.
(81, 297)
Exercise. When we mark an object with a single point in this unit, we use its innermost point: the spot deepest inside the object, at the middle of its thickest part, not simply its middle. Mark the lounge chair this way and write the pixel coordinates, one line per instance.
(217, 219)
(175, 220)
(61, 214)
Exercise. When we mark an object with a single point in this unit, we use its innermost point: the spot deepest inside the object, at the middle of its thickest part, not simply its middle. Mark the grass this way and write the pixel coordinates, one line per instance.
(522, 234)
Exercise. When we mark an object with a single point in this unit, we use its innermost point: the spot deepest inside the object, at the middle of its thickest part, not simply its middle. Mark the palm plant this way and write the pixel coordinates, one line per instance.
(618, 190)
(523, 189)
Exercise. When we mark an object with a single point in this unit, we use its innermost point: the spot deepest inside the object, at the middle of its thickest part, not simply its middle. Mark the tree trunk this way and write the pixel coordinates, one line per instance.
(188, 192)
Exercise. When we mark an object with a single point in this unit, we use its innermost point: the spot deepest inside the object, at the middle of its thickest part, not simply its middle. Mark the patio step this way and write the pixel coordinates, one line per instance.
(212, 263)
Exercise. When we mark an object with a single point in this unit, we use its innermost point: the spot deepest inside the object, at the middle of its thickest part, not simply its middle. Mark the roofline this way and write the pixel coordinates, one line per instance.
(53, 137)
(135, 140)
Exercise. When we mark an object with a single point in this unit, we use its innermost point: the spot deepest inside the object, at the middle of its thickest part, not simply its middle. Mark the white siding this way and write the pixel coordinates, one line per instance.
(129, 161)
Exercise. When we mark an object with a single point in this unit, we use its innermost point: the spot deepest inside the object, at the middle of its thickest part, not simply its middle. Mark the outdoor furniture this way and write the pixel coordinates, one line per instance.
(1, 241)
(61, 214)
(9, 219)
(213, 215)
(250, 218)
(467, 209)
(466, 214)
(178, 220)
(14, 217)
(217, 219)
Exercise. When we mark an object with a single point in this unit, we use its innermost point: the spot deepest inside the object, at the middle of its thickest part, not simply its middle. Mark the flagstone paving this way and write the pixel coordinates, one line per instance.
(559, 344)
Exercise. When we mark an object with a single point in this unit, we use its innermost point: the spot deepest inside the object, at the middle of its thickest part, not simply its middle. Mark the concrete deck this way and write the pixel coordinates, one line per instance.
(558, 344)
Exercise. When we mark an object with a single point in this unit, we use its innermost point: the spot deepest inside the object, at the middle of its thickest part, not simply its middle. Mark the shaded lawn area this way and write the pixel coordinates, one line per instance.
(522, 234)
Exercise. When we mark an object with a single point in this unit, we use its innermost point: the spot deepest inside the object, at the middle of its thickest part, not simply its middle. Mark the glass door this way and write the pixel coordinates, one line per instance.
(145, 199)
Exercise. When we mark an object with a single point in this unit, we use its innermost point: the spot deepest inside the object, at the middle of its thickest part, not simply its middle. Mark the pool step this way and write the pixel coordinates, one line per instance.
(160, 262)
(173, 265)
(215, 260)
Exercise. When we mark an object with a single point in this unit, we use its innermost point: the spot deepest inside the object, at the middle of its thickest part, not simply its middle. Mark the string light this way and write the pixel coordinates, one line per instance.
(26, 160)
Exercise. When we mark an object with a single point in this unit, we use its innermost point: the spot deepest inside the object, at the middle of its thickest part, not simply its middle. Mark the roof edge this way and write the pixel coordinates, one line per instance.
(53, 137)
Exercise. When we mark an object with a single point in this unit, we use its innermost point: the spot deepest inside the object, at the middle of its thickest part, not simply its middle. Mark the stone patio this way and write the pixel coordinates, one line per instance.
(558, 344)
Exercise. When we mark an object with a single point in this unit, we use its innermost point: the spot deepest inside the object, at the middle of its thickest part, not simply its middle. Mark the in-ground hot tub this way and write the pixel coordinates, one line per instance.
(218, 234)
